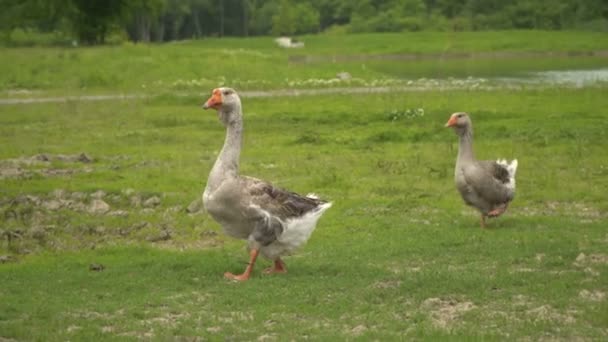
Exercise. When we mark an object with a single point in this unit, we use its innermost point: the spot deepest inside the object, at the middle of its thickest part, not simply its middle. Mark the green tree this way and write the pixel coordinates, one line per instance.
(45, 16)
(142, 17)
(284, 21)
(307, 18)
(262, 17)
(333, 12)
(92, 19)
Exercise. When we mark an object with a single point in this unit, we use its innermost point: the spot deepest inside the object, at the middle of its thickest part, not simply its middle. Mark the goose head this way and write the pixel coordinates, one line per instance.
(227, 103)
(460, 122)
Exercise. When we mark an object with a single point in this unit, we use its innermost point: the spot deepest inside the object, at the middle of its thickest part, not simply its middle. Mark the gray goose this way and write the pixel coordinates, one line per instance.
(486, 185)
(274, 221)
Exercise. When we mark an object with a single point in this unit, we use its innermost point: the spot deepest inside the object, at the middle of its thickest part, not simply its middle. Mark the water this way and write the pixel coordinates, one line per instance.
(571, 78)
(577, 78)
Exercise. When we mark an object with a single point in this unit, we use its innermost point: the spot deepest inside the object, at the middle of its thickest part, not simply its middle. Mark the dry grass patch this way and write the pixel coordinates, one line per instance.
(444, 313)
(386, 284)
(593, 295)
(546, 313)
(584, 211)
(40, 164)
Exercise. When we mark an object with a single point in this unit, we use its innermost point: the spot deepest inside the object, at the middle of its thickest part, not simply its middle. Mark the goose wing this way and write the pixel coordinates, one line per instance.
(498, 171)
(489, 180)
(276, 201)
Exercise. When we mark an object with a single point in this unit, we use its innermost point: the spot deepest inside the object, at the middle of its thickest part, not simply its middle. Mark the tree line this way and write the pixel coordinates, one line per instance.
(92, 21)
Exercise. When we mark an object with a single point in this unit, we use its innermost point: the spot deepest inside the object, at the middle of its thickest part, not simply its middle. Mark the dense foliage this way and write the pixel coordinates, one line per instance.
(92, 21)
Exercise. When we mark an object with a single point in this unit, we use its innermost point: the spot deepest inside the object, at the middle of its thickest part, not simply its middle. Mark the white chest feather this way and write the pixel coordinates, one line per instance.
(227, 213)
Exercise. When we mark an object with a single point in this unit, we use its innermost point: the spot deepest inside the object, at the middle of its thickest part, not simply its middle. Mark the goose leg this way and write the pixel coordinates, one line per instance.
(483, 221)
(253, 255)
(279, 267)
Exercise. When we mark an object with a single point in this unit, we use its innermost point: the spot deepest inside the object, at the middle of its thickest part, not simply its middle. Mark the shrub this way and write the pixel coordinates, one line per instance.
(412, 24)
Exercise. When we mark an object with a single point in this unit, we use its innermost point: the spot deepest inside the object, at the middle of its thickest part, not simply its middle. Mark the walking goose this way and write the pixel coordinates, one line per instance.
(486, 185)
(274, 221)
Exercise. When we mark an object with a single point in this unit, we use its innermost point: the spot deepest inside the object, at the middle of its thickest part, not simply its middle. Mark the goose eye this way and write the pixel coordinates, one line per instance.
(459, 115)
(226, 92)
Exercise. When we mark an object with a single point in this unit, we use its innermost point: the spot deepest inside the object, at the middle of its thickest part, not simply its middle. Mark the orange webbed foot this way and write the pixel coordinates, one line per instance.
(279, 267)
(497, 211)
(237, 277)
(245, 276)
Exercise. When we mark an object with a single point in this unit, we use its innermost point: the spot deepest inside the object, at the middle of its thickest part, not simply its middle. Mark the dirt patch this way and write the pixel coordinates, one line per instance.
(94, 315)
(40, 158)
(98, 202)
(387, 284)
(520, 300)
(107, 329)
(584, 260)
(267, 337)
(31, 222)
(18, 172)
(410, 266)
(73, 328)
(445, 312)
(6, 259)
(139, 334)
(593, 296)
(358, 330)
(195, 206)
(235, 316)
(550, 314)
(98, 206)
(214, 330)
(27, 167)
(169, 319)
(554, 208)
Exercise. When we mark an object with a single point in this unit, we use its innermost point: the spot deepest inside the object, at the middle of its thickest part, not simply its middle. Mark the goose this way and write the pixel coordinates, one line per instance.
(274, 221)
(486, 185)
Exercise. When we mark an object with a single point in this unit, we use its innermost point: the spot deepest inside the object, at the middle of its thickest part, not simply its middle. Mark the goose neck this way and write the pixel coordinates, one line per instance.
(465, 147)
(227, 163)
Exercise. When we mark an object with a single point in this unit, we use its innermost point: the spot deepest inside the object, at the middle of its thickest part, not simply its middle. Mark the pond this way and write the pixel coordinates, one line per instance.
(563, 78)
(577, 78)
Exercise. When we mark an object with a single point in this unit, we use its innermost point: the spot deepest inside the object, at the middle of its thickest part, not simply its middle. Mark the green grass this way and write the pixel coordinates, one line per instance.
(399, 256)
(442, 42)
(257, 63)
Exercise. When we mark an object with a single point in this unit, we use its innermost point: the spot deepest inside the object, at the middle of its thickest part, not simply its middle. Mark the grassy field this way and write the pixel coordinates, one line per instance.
(102, 237)
(257, 63)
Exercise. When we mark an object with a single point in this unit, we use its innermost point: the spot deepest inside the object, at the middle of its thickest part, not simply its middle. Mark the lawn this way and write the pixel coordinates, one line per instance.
(397, 256)
(103, 237)
(257, 63)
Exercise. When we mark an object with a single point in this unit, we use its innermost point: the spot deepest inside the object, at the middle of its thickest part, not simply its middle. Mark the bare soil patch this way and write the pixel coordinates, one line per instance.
(445, 312)
(593, 295)
(581, 210)
(548, 313)
(40, 164)
(585, 260)
(387, 284)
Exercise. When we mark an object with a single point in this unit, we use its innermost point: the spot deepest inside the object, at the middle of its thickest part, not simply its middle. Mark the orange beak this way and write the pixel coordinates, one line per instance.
(451, 122)
(215, 101)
